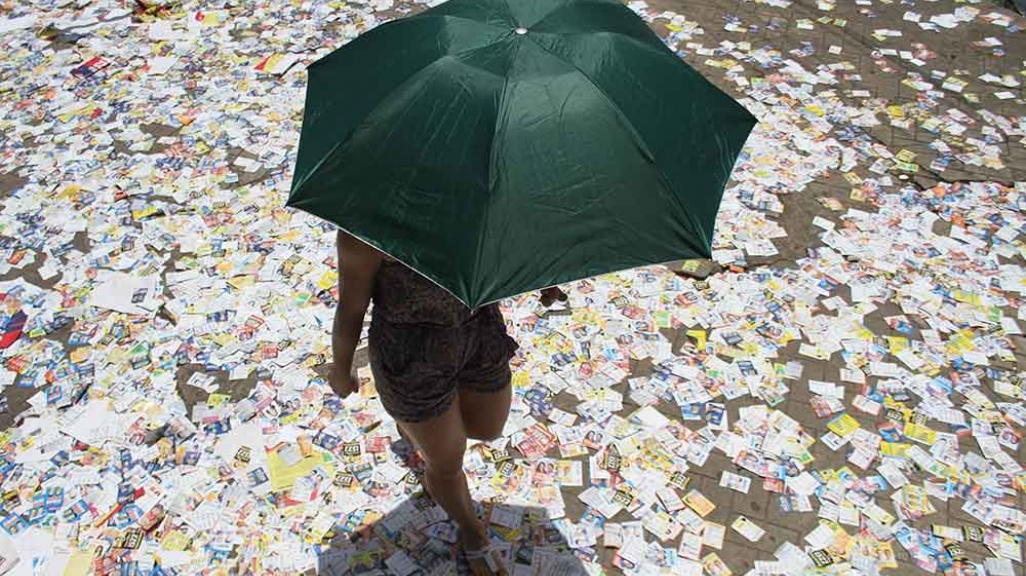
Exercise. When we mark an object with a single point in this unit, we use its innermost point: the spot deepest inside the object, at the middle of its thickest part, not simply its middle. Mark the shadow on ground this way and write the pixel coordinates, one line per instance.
(416, 537)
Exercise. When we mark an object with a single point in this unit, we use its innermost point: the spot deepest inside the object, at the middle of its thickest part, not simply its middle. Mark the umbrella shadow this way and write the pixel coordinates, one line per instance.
(416, 538)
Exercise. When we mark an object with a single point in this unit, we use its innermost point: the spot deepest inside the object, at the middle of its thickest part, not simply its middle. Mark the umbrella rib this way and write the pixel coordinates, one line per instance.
(651, 35)
(499, 119)
(655, 50)
(356, 126)
(428, 16)
(664, 52)
(697, 230)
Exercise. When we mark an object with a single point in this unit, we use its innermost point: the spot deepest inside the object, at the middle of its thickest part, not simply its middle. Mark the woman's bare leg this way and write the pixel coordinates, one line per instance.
(485, 413)
(443, 441)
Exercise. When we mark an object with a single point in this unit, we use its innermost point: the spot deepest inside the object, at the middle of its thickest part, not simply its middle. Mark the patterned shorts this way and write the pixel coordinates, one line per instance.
(418, 368)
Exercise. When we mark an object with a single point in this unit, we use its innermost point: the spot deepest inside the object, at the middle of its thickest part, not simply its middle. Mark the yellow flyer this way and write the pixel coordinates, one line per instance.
(699, 503)
(843, 425)
(283, 477)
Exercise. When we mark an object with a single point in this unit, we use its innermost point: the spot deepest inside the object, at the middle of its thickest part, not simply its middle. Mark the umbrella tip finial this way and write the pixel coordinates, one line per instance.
(521, 30)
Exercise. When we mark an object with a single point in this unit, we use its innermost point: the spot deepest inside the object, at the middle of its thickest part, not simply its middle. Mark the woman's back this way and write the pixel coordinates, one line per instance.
(402, 296)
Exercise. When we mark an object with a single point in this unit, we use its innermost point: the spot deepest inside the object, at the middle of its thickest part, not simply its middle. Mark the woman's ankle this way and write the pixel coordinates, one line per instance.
(474, 537)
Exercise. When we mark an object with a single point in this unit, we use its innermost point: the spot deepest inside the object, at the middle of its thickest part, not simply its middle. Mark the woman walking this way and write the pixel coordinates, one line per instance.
(441, 370)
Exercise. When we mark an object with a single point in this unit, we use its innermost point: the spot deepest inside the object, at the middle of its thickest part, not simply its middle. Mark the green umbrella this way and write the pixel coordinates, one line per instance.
(499, 147)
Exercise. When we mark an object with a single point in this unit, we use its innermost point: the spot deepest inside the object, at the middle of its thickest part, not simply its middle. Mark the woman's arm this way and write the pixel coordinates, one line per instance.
(358, 264)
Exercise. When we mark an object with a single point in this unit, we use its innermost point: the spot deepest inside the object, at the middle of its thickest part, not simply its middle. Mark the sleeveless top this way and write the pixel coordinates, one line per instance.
(402, 296)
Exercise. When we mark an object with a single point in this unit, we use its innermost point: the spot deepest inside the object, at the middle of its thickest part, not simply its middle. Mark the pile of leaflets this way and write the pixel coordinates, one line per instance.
(164, 321)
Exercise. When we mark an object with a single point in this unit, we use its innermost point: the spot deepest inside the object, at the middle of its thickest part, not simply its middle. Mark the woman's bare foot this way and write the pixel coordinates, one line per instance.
(482, 559)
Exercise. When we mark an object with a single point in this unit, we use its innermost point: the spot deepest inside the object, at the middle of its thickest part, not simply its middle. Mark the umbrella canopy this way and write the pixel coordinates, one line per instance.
(499, 147)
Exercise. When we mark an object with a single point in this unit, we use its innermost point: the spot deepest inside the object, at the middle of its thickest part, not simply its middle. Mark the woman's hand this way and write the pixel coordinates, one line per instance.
(550, 295)
(342, 383)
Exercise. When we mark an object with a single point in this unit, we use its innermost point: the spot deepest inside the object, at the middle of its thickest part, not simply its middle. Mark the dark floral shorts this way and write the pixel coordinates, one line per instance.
(419, 368)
